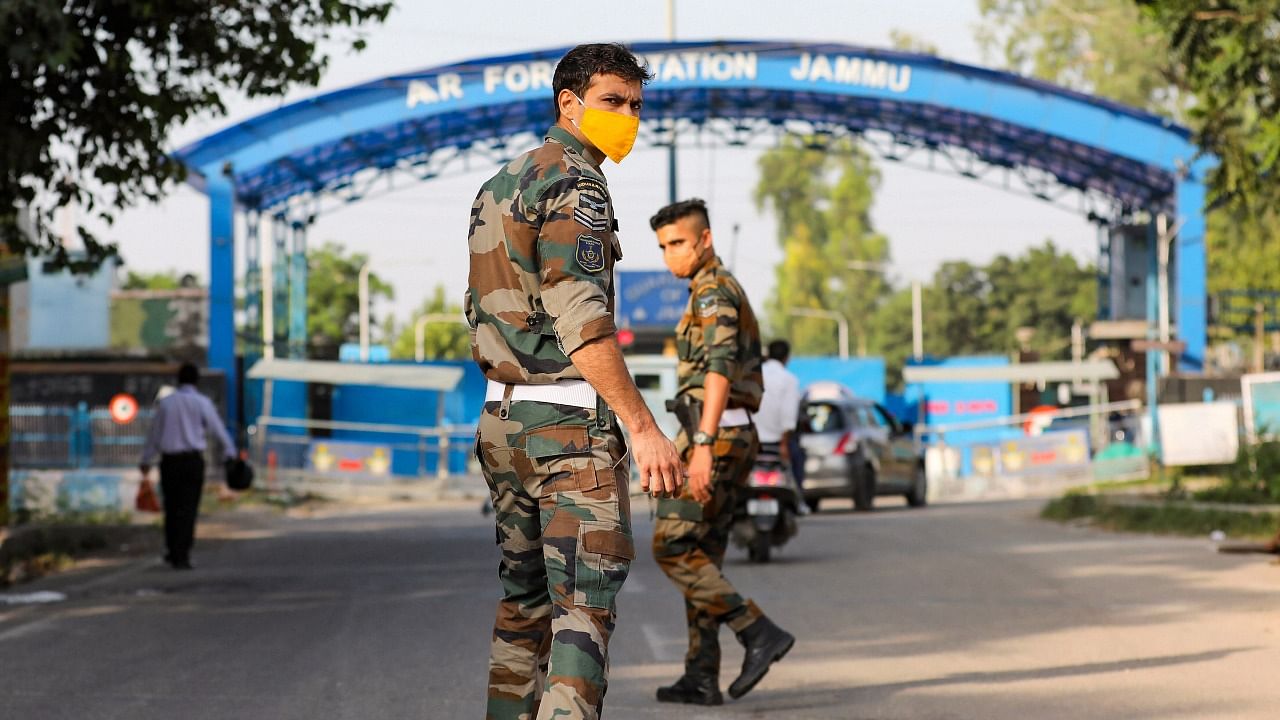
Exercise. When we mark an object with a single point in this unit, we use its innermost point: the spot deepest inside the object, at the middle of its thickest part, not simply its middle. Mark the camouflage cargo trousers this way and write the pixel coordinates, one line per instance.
(689, 542)
(558, 480)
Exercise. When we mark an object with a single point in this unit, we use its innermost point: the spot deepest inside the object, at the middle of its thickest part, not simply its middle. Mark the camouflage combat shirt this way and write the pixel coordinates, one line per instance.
(543, 244)
(718, 333)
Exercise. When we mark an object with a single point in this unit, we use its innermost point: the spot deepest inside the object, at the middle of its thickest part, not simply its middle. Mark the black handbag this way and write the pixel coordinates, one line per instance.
(239, 474)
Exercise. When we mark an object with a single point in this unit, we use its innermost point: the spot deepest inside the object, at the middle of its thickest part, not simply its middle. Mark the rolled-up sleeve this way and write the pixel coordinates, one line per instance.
(574, 263)
(718, 317)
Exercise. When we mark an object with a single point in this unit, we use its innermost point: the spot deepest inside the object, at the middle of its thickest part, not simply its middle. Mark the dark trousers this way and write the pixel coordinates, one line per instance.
(181, 482)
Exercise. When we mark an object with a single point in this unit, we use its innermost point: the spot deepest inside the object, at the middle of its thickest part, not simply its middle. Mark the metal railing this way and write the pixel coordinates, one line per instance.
(289, 446)
(73, 437)
(1102, 426)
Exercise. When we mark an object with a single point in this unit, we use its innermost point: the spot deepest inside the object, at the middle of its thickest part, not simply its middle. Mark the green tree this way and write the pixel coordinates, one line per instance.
(333, 298)
(91, 91)
(1103, 47)
(1226, 55)
(163, 280)
(1045, 289)
(1211, 65)
(977, 309)
(821, 190)
(903, 40)
(441, 340)
(1243, 249)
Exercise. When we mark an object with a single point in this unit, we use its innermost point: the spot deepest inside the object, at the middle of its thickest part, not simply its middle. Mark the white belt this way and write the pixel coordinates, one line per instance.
(574, 393)
(735, 417)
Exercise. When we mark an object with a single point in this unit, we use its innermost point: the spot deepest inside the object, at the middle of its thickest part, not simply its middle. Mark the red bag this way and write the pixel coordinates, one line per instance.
(146, 501)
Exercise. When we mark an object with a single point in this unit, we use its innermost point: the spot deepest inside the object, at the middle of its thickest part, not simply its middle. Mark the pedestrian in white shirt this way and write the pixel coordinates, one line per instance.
(177, 435)
(776, 419)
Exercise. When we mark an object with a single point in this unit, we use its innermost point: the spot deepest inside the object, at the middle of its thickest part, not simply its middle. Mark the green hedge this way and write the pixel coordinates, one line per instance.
(1167, 519)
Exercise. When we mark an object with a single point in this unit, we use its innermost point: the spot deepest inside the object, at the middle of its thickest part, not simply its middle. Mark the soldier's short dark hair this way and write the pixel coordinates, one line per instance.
(188, 374)
(579, 65)
(779, 350)
(682, 209)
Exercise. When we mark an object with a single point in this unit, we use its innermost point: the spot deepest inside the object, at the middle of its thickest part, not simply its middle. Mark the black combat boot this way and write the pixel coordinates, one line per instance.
(765, 644)
(692, 690)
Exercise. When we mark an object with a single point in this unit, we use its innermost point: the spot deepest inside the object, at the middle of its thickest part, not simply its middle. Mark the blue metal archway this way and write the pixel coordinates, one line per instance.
(1117, 163)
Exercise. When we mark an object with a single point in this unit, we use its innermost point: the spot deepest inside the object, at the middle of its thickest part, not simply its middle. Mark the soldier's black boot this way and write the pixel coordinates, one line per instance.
(765, 644)
(692, 690)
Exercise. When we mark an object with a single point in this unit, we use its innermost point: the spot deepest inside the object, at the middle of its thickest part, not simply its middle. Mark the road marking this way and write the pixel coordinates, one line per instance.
(27, 629)
(42, 597)
(662, 648)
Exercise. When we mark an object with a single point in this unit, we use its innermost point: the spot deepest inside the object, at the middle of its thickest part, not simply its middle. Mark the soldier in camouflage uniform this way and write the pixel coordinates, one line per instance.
(540, 303)
(720, 369)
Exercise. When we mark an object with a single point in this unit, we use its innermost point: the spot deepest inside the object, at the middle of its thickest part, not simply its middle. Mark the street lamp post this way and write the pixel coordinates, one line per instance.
(917, 304)
(420, 331)
(842, 325)
(364, 312)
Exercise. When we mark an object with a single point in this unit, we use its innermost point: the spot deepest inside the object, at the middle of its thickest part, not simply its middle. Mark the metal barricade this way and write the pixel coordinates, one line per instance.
(113, 444)
(1081, 444)
(44, 436)
(315, 453)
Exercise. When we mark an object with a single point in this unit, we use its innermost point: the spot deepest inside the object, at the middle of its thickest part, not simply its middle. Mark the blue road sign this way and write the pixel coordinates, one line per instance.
(650, 298)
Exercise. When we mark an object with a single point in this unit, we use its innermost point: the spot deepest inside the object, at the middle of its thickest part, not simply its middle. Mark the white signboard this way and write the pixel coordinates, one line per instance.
(1199, 433)
(1261, 405)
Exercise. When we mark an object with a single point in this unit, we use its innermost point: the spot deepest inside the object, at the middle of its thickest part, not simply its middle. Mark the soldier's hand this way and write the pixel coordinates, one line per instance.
(700, 474)
(658, 462)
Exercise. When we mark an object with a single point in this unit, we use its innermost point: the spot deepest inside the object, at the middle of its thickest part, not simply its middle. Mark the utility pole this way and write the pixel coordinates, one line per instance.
(917, 320)
(672, 193)
(1259, 334)
(842, 325)
(420, 331)
(364, 312)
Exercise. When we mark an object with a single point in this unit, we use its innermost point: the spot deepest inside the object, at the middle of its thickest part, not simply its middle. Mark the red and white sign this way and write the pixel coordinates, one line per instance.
(123, 409)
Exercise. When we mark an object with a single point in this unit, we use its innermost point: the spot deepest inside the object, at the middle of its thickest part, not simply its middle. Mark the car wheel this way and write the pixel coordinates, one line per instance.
(919, 494)
(813, 504)
(864, 489)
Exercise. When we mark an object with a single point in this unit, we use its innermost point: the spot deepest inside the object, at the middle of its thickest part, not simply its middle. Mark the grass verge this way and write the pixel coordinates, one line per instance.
(32, 551)
(1163, 519)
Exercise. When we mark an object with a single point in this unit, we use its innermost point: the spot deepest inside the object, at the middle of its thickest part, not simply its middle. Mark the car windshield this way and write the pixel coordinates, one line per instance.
(822, 417)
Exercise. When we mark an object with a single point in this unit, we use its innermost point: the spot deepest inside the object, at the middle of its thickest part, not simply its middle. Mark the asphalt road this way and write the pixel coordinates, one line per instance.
(953, 611)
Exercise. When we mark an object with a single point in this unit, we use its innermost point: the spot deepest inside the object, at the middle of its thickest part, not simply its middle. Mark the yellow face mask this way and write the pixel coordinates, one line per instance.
(612, 133)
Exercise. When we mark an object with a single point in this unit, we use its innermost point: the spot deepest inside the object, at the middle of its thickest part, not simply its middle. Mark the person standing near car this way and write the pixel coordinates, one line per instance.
(540, 302)
(178, 432)
(720, 385)
(780, 409)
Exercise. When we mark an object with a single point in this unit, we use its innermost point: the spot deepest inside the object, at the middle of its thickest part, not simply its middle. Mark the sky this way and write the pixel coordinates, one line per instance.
(416, 237)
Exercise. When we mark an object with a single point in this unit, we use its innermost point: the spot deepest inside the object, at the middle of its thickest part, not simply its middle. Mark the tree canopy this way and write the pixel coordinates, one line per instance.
(333, 300)
(441, 340)
(1227, 55)
(1103, 47)
(821, 191)
(91, 90)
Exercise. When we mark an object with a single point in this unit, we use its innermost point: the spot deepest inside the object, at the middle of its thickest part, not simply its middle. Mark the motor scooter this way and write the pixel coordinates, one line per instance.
(766, 516)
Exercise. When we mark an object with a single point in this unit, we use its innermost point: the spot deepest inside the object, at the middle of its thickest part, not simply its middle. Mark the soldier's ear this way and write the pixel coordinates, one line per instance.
(705, 240)
(568, 104)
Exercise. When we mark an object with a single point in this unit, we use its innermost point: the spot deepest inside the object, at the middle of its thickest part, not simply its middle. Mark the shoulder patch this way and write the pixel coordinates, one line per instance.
(590, 253)
(707, 305)
(593, 186)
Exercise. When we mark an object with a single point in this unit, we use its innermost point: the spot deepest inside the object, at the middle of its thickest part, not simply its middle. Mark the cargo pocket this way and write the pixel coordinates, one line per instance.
(604, 558)
(563, 453)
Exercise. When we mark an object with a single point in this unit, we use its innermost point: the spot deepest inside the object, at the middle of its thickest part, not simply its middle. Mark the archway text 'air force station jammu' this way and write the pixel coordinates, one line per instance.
(1118, 165)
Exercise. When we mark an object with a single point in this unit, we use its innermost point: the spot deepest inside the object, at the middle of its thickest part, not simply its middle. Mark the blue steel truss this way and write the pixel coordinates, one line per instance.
(991, 126)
